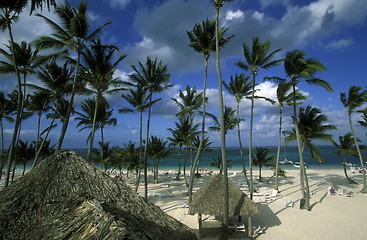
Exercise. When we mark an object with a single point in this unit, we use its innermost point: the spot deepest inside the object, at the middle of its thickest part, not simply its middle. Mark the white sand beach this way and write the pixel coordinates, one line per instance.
(332, 216)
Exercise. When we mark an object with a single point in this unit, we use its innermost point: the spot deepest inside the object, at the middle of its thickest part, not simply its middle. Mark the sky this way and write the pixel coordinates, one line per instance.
(332, 31)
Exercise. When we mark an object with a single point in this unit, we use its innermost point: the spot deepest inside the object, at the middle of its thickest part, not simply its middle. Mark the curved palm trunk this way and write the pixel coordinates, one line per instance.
(364, 187)
(345, 172)
(38, 129)
(145, 150)
(91, 140)
(38, 152)
(156, 170)
(70, 106)
(184, 168)
(2, 148)
(240, 143)
(303, 181)
(278, 151)
(198, 153)
(222, 130)
(140, 150)
(19, 109)
(102, 140)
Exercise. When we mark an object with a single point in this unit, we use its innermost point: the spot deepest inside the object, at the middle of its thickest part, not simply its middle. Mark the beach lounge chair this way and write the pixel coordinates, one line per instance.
(164, 185)
(240, 228)
(349, 194)
(289, 203)
(184, 205)
(340, 191)
(259, 230)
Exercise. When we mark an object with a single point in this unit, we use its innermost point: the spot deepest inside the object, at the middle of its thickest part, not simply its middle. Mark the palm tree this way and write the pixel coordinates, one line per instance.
(364, 116)
(310, 124)
(346, 147)
(39, 103)
(230, 121)
(98, 72)
(25, 153)
(191, 102)
(205, 147)
(240, 87)
(157, 149)
(298, 69)
(131, 157)
(203, 40)
(261, 158)
(72, 34)
(104, 153)
(284, 98)
(178, 139)
(218, 163)
(218, 4)
(57, 85)
(5, 113)
(138, 99)
(155, 78)
(257, 57)
(355, 99)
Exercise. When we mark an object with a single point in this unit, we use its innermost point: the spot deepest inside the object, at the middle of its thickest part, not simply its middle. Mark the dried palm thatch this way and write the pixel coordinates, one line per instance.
(210, 199)
(64, 197)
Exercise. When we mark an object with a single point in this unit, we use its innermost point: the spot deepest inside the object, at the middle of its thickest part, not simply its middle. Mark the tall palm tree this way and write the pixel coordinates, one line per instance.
(299, 69)
(40, 104)
(240, 87)
(57, 85)
(262, 159)
(137, 98)
(155, 78)
(230, 121)
(346, 147)
(218, 4)
(191, 103)
(25, 153)
(364, 117)
(71, 34)
(203, 40)
(5, 113)
(310, 124)
(182, 131)
(355, 99)
(157, 149)
(178, 140)
(98, 72)
(284, 98)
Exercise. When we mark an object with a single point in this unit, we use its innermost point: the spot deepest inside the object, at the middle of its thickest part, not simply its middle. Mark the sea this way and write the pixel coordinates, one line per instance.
(331, 160)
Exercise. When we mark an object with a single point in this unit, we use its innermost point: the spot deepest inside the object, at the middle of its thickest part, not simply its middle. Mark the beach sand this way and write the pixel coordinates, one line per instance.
(331, 217)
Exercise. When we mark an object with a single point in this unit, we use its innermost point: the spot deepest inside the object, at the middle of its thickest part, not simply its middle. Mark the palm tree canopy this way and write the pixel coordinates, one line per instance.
(137, 98)
(285, 95)
(346, 145)
(98, 68)
(311, 127)
(230, 121)
(298, 67)
(157, 148)
(261, 158)
(19, 5)
(189, 101)
(258, 56)
(355, 98)
(153, 75)
(5, 108)
(240, 86)
(202, 37)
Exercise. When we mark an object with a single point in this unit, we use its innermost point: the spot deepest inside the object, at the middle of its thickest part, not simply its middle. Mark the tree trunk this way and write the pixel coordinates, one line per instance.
(145, 150)
(70, 106)
(19, 100)
(198, 153)
(278, 151)
(240, 143)
(156, 170)
(364, 187)
(179, 163)
(91, 140)
(345, 172)
(303, 181)
(222, 130)
(2, 148)
(184, 168)
(38, 129)
(140, 150)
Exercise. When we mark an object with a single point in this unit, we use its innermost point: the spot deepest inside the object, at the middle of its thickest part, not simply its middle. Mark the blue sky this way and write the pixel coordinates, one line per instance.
(332, 31)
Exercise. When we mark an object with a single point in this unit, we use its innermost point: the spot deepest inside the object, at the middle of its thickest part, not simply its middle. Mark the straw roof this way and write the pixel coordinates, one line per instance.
(210, 199)
(64, 197)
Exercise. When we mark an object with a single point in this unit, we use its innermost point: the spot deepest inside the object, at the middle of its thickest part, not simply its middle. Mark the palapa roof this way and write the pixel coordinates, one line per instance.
(209, 199)
(65, 197)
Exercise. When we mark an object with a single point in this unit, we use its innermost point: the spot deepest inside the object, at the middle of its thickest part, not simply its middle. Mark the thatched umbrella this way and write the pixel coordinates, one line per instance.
(65, 197)
(210, 200)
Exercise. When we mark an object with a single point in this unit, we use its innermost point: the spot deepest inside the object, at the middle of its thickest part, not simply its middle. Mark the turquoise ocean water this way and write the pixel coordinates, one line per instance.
(331, 160)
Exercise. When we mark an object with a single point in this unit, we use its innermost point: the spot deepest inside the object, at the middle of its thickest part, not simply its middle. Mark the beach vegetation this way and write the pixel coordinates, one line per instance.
(217, 162)
(5, 114)
(262, 159)
(352, 100)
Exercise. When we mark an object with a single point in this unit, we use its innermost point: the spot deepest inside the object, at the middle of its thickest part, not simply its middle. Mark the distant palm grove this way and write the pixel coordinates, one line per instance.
(72, 60)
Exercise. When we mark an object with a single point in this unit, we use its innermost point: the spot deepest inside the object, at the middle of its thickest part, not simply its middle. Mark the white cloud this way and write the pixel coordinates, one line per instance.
(120, 4)
(266, 3)
(339, 44)
(258, 15)
(232, 15)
